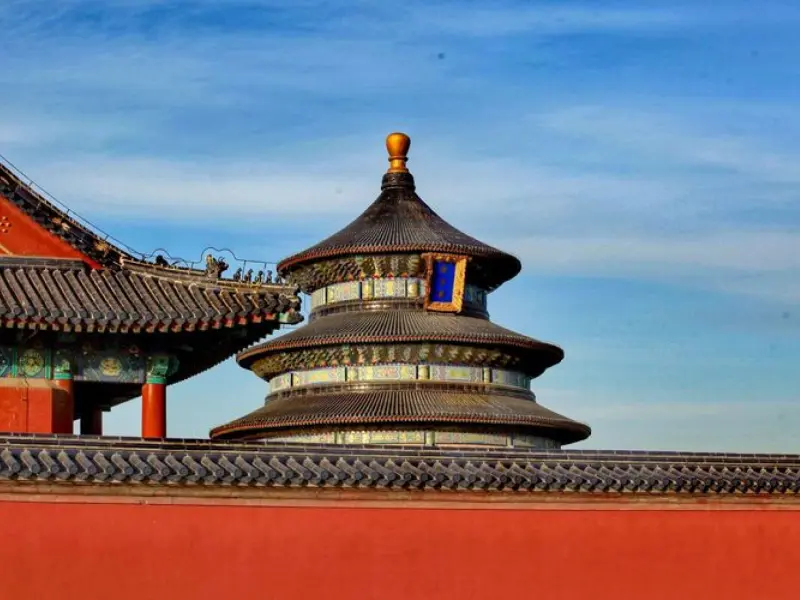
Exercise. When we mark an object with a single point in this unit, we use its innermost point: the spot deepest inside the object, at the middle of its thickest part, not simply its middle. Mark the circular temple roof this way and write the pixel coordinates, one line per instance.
(399, 221)
(322, 409)
(408, 326)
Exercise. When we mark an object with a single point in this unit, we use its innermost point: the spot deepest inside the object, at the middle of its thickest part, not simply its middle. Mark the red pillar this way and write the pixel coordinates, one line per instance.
(154, 410)
(92, 421)
(65, 425)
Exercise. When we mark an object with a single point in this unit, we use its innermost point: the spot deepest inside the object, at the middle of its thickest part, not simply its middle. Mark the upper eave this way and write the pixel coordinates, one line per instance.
(399, 221)
(109, 462)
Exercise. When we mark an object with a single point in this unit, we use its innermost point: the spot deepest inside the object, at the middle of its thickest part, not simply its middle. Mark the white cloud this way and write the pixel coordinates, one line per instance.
(664, 138)
(550, 20)
(634, 181)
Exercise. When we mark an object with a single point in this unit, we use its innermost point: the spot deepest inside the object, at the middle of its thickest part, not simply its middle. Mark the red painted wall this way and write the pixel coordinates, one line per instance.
(22, 236)
(144, 552)
(34, 406)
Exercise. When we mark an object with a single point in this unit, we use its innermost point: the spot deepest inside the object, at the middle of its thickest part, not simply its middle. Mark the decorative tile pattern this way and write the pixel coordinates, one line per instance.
(531, 441)
(396, 437)
(512, 378)
(396, 372)
(470, 439)
(32, 363)
(111, 366)
(369, 289)
(281, 382)
(318, 376)
(355, 437)
(383, 372)
(319, 297)
(313, 438)
(451, 373)
(342, 292)
(7, 361)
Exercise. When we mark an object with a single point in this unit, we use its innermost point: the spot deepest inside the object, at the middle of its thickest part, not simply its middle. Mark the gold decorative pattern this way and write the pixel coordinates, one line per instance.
(273, 365)
(399, 372)
(380, 288)
(459, 278)
(426, 438)
(351, 268)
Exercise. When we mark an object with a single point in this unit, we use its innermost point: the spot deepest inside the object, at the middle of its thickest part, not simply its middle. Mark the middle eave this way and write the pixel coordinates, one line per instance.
(409, 327)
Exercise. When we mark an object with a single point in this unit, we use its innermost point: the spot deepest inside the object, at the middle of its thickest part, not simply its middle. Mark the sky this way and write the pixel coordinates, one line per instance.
(641, 158)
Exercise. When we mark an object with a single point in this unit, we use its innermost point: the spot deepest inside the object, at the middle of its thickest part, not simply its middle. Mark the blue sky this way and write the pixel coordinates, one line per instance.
(641, 158)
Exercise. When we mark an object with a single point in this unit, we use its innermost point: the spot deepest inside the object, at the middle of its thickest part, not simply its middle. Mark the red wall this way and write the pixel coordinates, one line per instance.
(34, 406)
(143, 552)
(21, 236)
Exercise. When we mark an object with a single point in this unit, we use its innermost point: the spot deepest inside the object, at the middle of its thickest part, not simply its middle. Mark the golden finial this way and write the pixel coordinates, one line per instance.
(397, 144)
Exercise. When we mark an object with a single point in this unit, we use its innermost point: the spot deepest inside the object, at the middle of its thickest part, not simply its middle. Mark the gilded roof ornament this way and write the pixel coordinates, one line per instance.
(397, 145)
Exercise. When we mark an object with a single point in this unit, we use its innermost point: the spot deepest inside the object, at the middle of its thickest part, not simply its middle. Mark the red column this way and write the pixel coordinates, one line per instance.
(64, 424)
(154, 410)
(92, 421)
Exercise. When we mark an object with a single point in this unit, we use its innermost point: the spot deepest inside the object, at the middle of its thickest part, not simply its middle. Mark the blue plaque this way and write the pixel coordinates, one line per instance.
(445, 278)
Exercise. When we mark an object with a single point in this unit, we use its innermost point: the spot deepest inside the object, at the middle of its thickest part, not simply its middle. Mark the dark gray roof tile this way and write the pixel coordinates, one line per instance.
(68, 295)
(399, 221)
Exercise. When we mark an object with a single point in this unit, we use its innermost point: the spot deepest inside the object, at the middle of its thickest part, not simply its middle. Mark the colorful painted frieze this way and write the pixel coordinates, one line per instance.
(318, 376)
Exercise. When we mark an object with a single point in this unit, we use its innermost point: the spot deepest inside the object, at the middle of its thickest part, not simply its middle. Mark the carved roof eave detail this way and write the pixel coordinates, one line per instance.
(410, 327)
(358, 267)
(272, 365)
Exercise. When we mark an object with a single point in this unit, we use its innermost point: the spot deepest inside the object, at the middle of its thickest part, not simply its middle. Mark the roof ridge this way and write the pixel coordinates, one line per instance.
(64, 223)
(197, 276)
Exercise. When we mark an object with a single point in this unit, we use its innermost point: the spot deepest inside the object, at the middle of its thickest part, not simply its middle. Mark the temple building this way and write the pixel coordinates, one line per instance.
(400, 453)
(87, 325)
(399, 347)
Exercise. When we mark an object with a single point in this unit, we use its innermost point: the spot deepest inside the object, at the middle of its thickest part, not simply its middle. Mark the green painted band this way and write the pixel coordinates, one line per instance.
(62, 376)
(156, 379)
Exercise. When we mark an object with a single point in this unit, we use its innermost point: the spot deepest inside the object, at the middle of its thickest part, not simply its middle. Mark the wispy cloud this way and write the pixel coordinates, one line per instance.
(629, 143)
(664, 138)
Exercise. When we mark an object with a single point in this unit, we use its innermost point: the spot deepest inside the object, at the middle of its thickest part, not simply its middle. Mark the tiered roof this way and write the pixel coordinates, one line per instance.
(399, 221)
(395, 239)
(93, 285)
